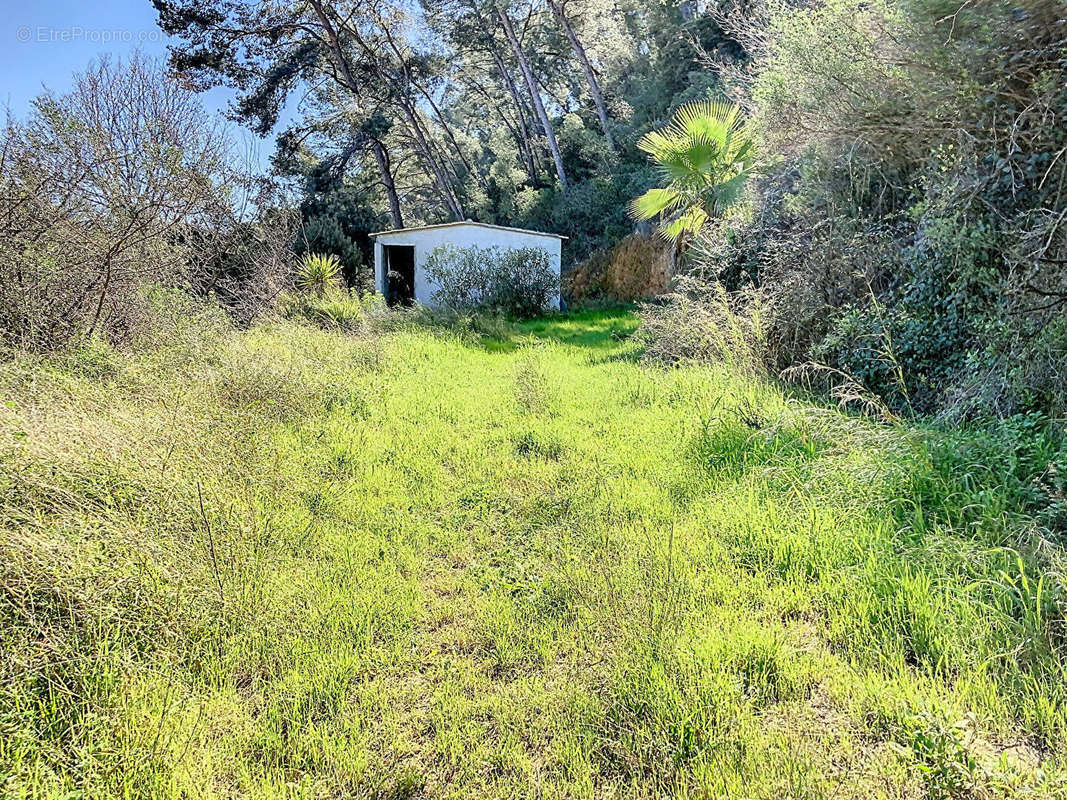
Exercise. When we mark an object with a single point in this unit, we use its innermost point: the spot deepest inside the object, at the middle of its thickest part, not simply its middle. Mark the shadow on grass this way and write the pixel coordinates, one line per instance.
(631, 355)
(601, 330)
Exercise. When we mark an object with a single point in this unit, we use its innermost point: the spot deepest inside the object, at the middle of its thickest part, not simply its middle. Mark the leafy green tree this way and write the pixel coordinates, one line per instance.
(346, 58)
(704, 156)
(517, 112)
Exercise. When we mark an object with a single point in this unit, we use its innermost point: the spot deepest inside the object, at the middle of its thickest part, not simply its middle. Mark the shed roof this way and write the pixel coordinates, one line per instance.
(471, 223)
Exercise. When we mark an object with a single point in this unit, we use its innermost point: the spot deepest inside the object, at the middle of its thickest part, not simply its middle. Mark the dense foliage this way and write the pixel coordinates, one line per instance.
(914, 234)
(638, 267)
(122, 185)
(337, 219)
(519, 282)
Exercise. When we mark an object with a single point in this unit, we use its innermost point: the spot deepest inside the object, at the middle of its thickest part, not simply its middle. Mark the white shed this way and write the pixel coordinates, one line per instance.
(400, 254)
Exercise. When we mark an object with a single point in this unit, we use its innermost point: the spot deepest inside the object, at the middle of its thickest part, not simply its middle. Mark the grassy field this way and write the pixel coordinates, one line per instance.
(415, 563)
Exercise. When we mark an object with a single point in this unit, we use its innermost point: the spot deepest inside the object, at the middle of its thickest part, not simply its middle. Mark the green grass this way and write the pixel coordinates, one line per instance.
(294, 562)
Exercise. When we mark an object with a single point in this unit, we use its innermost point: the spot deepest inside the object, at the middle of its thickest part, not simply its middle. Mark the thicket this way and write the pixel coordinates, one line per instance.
(637, 268)
(337, 218)
(120, 187)
(911, 236)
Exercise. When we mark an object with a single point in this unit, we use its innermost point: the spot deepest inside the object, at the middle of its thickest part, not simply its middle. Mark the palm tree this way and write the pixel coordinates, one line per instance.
(705, 155)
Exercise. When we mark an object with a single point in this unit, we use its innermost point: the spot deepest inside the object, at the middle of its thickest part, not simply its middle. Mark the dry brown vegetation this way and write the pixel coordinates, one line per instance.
(637, 268)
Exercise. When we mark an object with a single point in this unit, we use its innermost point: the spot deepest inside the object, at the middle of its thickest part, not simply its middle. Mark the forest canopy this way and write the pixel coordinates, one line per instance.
(522, 114)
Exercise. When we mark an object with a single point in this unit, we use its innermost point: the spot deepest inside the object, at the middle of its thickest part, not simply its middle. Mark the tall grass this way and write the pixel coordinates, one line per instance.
(407, 562)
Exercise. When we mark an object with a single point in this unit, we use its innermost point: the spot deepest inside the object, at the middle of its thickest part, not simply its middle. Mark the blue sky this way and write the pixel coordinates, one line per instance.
(44, 43)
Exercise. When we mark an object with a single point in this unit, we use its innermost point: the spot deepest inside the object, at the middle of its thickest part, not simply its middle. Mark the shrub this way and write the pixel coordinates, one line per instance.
(519, 282)
(96, 183)
(703, 322)
(120, 185)
(338, 219)
(637, 268)
(334, 308)
(180, 323)
(913, 236)
(317, 273)
(243, 262)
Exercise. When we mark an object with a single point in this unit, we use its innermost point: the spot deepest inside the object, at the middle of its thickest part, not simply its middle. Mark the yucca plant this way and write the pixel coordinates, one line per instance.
(316, 273)
(705, 155)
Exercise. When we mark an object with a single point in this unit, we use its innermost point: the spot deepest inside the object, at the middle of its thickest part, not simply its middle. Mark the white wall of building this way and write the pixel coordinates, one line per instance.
(460, 234)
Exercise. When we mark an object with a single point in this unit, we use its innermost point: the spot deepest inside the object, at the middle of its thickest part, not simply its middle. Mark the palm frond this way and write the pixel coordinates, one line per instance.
(707, 119)
(317, 272)
(654, 202)
(728, 192)
(656, 143)
(688, 223)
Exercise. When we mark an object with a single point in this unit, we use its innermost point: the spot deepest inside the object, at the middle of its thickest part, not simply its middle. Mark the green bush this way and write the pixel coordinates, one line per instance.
(703, 322)
(337, 219)
(317, 273)
(342, 309)
(519, 282)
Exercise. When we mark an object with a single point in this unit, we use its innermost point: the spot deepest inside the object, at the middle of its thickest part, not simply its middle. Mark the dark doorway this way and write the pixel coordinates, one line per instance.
(399, 275)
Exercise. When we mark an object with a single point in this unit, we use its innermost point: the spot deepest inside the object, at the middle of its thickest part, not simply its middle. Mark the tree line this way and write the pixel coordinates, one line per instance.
(523, 113)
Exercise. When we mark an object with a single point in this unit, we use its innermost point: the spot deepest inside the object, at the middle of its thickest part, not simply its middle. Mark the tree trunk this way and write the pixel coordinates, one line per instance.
(387, 181)
(338, 56)
(535, 95)
(451, 137)
(404, 80)
(406, 105)
(100, 301)
(590, 75)
(431, 161)
(524, 132)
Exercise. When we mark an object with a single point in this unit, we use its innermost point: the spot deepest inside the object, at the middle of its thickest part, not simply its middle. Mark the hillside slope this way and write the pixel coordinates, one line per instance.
(296, 563)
